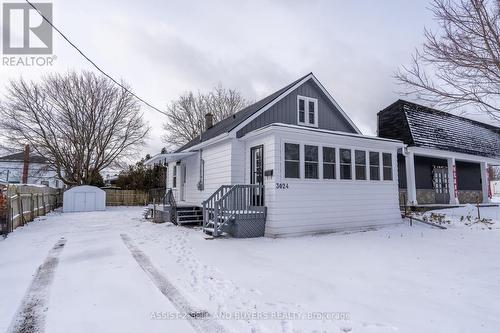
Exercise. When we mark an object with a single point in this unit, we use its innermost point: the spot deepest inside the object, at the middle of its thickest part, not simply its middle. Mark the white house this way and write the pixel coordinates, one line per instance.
(293, 160)
(38, 170)
(447, 157)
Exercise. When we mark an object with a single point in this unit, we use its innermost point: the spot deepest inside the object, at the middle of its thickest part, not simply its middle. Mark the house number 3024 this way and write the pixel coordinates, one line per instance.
(282, 186)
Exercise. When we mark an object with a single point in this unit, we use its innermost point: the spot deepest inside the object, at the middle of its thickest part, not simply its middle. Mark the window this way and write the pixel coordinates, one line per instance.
(345, 164)
(360, 164)
(302, 110)
(174, 176)
(328, 163)
(387, 161)
(292, 160)
(307, 111)
(311, 162)
(374, 165)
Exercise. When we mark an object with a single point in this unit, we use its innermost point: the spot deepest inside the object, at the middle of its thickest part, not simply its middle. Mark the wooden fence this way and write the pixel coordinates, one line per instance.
(20, 204)
(117, 197)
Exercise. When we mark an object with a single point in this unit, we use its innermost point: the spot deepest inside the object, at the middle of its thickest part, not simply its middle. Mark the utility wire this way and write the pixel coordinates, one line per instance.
(93, 63)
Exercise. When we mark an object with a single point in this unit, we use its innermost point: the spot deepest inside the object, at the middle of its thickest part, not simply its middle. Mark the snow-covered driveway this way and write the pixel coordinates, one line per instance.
(97, 285)
(399, 279)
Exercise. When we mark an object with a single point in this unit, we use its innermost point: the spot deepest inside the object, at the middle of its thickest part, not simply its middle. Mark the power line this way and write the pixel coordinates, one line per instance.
(93, 63)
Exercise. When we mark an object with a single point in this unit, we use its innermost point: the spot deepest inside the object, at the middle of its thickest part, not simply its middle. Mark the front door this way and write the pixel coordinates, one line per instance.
(440, 183)
(257, 174)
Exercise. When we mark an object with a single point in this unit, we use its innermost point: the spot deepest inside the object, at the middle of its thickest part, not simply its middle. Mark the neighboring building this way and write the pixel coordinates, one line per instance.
(39, 171)
(447, 158)
(299, 156)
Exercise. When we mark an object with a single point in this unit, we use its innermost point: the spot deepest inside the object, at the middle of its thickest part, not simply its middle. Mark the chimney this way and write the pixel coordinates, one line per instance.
(209, 121)
(26, 164)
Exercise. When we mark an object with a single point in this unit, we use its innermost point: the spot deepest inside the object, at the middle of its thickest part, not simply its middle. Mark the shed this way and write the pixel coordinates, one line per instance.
(84, 199)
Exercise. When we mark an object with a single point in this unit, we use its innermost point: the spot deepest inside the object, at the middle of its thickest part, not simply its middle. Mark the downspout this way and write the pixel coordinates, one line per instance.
(201, 182)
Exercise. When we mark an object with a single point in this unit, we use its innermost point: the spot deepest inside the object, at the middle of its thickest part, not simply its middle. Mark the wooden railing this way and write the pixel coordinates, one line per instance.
(237, 201)
(210, 203)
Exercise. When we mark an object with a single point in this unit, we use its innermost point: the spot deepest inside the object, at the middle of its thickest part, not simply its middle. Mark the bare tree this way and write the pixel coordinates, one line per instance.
(463, 58)
(82, 123)
(186, 115)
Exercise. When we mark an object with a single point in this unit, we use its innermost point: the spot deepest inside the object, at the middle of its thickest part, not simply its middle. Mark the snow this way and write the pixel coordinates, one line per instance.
(406, 279)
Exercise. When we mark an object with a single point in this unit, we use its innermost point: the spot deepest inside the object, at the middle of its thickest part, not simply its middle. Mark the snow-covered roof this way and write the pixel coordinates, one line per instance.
(421, 126)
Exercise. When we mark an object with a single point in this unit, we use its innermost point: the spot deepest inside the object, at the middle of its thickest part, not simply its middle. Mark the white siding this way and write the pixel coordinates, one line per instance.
(217, 172)
(317, 205)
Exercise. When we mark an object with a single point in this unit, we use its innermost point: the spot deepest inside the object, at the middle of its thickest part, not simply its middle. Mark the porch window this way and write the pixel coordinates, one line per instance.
(360, 164)
(292, 160)
(328, 163)
(174, 176)
(307, 111)
(387, 164)
(345, 164)
(311, 162)
(374, 165)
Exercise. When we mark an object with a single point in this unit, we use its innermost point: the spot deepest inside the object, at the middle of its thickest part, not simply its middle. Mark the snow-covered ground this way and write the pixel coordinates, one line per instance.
(398, 279)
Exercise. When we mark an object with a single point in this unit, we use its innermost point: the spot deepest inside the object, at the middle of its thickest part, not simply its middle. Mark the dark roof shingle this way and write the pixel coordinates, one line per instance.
(19, 157)
(436, 129)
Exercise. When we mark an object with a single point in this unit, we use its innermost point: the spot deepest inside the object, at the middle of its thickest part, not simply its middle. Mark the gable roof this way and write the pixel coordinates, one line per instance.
(228, 124)
(430, 128)
(19, 157)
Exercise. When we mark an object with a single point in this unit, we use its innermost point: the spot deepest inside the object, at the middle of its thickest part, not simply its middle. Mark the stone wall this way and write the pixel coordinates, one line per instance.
(426, 197)
(469, 196)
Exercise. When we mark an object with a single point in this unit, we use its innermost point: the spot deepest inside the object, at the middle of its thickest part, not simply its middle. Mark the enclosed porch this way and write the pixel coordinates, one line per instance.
(437, 178)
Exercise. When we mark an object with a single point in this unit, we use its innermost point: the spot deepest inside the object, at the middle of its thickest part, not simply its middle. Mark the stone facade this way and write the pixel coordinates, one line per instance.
(426, 197)
(469, 196)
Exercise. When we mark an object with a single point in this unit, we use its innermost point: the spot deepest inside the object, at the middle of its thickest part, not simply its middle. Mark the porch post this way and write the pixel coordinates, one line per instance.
(485, 182)
(452, 181)
(411, 188)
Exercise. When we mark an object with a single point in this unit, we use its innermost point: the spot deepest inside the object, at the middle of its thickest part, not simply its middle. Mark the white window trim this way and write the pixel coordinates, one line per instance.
(306, 110)
(301, 160)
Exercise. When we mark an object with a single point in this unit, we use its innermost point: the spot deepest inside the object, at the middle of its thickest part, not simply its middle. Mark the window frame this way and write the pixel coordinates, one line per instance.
(370, 165)
(351, 176)
(306, 111)
(334, 163)
(390, 166)
(356, 165)
(294, 161)
(174, 176)
(311, 162)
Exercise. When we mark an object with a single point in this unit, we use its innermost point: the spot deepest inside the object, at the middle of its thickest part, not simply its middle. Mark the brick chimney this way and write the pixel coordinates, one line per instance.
(209, 121)
(26, 165)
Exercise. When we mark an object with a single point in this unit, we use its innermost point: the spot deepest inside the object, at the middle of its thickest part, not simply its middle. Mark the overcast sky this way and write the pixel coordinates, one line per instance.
(164, 48)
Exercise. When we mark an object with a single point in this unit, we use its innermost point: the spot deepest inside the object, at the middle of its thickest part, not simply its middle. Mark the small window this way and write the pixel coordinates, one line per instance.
(307, 111)
(312, 112)
(292, 160)
(328, 163)
(374, 165)
(174, 176)
(345, 164)
(387, 162)
(360, 164)
(302, 110)
(311, 162)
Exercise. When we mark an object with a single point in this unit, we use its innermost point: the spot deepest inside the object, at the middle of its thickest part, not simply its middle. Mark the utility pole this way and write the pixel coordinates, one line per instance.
(26, 164)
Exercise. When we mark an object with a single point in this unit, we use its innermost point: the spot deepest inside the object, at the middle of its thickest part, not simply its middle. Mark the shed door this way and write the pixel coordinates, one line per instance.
(440, 183)
(79, 202)
(90, 201)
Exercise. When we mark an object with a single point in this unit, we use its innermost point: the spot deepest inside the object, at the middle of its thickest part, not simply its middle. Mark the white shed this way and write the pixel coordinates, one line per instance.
(84, 199)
